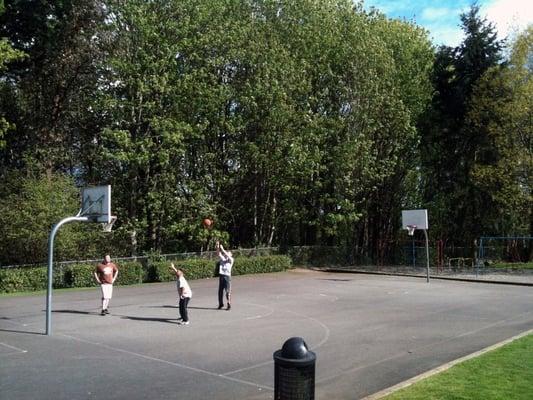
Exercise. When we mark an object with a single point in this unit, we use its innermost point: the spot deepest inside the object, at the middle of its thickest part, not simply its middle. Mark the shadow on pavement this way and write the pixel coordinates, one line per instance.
(76, 312)
(176, 307)
(18, 331)
(335, 280)
(150, 319)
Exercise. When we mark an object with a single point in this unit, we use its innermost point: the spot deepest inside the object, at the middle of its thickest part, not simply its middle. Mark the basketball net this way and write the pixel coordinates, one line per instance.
(411, 229)
(109, 226)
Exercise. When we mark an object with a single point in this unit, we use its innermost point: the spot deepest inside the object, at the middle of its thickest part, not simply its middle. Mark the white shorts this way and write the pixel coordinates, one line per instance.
(107, 290)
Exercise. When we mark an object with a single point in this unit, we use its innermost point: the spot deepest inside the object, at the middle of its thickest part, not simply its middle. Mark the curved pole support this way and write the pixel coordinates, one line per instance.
(50, 267)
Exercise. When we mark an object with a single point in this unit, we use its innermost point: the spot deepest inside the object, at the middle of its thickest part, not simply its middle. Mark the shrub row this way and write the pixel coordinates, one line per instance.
(81, 275)
(197, 268)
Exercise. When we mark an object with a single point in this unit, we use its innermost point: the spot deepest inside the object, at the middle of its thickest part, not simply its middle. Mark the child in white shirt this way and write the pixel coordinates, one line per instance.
(184, 293)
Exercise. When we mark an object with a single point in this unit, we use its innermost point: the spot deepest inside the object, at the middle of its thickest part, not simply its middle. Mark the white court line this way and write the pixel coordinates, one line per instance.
(326, 329)
(270, 309)
(13, 322)
(14, 348)
(324, 340)
(335, 298)
(171, 363)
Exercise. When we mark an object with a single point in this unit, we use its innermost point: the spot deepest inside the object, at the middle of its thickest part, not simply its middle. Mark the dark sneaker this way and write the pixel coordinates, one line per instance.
(106, 311)
(103, 312)
(221, 307)
(229, 307)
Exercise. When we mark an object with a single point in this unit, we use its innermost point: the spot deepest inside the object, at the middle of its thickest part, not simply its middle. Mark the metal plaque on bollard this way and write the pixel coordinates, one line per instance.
(294, 371)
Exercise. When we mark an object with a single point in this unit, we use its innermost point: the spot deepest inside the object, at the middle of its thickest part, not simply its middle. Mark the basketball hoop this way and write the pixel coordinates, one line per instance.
(411, 229)
(108, 226)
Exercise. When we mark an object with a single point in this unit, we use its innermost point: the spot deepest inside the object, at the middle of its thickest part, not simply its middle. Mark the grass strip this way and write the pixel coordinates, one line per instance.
(504, 373)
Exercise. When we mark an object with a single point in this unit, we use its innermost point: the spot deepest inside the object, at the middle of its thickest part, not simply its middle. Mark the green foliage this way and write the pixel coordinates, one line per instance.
(11, 281)
(304, 134)
(449, 145)
(195, 269)
(27, 279)
(7, 55)
(132, 272)
(500, 117)
(260, 265)
(511, 266)
(160, 271)
(27, 215)
(319, 256)
(52, 86)
(504, 373)
(82, 275)
(79, 275)
(277, 116)
(29, 207)
(202, 268)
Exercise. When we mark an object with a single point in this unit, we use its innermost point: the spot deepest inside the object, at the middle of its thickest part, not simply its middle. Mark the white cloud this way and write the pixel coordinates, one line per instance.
(433, 13)
(509, 15)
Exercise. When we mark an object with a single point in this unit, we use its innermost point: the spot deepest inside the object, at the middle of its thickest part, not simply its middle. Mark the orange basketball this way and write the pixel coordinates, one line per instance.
(207, 223)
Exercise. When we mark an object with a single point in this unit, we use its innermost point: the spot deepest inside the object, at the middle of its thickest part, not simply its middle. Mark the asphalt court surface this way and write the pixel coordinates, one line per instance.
(369, 333)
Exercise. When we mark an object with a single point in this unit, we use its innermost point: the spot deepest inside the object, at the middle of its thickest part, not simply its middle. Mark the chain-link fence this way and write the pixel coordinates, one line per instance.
(403, 256)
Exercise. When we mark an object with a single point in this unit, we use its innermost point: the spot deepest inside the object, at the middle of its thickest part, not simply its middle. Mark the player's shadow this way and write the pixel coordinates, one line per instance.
(177, 307)
(150, 319)
(19, 331)
(335, 280)
(76, 312)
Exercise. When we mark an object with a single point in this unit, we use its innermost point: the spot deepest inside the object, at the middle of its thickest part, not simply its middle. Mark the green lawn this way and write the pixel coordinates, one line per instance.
(504, 374)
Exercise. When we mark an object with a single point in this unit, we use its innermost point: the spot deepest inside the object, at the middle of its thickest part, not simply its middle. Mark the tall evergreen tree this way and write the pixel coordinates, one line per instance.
(501, 119)
(449, 147)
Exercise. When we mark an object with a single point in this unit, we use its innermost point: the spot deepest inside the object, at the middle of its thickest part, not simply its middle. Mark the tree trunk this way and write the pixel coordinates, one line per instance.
(273, 221)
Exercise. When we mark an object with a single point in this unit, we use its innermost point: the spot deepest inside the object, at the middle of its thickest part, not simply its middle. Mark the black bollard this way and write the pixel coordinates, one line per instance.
(294, 371)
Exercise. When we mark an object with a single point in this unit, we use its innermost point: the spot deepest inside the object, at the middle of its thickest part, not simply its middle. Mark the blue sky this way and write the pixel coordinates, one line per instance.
(441, 17)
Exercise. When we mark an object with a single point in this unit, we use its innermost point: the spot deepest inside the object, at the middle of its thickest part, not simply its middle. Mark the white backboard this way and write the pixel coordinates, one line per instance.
(96, 203)
(419, 218)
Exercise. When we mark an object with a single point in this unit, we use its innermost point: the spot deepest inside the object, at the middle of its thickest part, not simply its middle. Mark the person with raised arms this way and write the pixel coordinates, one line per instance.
(224, 278)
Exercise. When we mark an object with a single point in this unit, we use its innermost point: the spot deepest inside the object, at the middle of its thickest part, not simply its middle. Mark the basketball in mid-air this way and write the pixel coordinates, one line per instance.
(207, 223)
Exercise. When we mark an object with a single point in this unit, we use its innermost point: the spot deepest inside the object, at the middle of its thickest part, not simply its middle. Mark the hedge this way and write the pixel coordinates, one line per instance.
(195, 268)
(261, 264)
(69, 276)
(132, 272)
(198, 268)
(26, 279)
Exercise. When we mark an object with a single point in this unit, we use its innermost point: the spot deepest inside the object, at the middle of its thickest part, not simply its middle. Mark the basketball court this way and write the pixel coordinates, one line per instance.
(368, 332)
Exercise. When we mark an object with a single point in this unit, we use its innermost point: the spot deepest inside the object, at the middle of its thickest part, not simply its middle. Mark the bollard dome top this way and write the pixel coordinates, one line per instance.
(294, 348)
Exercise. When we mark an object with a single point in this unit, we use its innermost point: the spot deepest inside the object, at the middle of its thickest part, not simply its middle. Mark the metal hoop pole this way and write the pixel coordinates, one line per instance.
(427, 254)
(50, 268)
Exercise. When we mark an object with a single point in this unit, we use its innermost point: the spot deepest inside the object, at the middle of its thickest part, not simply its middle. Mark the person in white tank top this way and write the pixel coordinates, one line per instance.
(225, 266)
